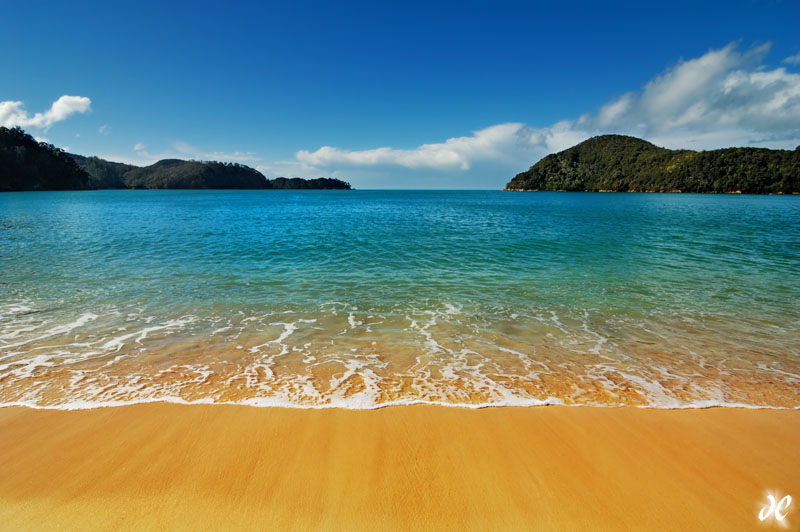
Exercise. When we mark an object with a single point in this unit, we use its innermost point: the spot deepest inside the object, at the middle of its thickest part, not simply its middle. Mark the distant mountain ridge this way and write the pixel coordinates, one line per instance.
(180, 174)
(26, 164)
(170, 174)
(620, 163)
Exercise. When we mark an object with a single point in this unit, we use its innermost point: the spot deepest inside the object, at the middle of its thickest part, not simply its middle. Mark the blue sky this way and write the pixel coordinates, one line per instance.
(397, 95)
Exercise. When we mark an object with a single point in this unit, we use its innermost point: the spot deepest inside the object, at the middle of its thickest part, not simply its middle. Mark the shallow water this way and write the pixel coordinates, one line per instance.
(365, 298)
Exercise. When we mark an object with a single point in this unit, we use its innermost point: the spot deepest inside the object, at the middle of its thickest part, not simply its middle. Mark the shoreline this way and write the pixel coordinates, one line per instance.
(608, 191)
(424, 467)
(265, 404)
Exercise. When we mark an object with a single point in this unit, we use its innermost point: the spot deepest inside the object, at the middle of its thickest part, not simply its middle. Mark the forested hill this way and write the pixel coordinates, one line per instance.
(620, 163)
(318, 183)
(26, 164)
(179, 174)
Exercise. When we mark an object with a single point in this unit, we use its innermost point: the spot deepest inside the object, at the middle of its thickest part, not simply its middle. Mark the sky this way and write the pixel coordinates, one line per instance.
(397, 94)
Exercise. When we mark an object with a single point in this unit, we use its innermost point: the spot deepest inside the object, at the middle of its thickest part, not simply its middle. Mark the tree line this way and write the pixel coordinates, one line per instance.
(26, 164)
(627, 164)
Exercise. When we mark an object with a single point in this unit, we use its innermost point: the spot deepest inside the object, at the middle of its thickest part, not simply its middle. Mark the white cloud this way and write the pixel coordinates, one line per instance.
(611, 111)
(459, 153)
(793, 59)
(13, 114)
(722, 98)
(181, 150)
(185, 148)
(241, 156)
(720, 92)
(105, 129)
(292, 169)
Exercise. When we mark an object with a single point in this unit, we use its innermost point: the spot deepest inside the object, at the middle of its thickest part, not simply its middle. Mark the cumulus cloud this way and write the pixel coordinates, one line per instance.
(293, 169)
(723, 98)
(12, 113)
(793, 59)
(182, 150)
(459, 152)
(105, 129)
(722, 95)
(238, 156)
(185, 148)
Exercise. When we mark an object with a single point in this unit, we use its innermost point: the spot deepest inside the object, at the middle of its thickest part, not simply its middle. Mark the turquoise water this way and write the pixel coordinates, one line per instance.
(365, 298)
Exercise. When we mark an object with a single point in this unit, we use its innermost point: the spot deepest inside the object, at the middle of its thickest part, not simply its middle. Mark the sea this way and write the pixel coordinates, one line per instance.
(364, 299)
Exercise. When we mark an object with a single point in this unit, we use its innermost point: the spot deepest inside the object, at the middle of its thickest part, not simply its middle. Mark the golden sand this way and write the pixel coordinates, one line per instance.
(177, 467)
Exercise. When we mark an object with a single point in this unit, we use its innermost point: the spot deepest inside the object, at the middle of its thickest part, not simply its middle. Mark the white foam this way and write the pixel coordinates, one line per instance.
(82, 320)
(451, 309)
(115, 344)
(361, 404)
(273, 402)
(717, 404)
(353, 322)
(458, 359)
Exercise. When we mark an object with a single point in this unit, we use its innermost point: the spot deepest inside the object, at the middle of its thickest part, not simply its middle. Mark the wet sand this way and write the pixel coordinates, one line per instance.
(181, 467)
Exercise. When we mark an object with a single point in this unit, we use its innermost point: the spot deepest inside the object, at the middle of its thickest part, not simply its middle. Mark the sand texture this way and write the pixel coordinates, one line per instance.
(187, 467)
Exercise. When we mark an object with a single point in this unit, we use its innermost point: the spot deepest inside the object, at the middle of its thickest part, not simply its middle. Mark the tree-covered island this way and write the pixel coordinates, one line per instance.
(627, 164)
(26, 164)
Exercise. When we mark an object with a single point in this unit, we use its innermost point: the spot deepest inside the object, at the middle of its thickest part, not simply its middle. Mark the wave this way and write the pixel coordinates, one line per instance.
(270, 403)
(340, 356)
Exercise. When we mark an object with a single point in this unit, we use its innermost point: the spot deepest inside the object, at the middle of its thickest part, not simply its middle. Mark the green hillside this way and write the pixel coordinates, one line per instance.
(628, 164)
(26, 164)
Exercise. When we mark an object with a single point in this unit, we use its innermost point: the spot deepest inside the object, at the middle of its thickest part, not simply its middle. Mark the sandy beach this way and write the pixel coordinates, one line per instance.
(187, 467)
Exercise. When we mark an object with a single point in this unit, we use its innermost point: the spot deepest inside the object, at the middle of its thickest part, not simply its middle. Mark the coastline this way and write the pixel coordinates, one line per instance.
(608, 191)
(171, 466)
